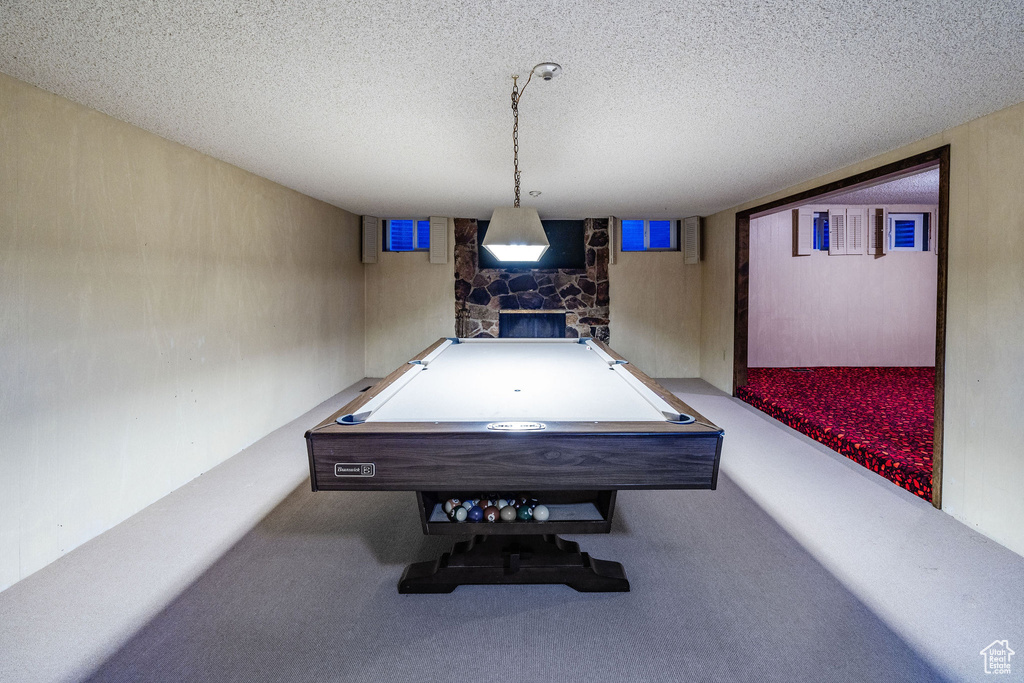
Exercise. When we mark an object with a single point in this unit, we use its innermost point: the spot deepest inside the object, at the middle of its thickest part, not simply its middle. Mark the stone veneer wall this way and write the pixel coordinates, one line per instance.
(581, 292)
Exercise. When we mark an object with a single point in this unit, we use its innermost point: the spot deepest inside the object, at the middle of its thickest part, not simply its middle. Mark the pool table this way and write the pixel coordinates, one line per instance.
(568, 422)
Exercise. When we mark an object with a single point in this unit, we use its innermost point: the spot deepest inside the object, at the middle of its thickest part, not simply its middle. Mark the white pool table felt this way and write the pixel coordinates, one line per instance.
(498, 380)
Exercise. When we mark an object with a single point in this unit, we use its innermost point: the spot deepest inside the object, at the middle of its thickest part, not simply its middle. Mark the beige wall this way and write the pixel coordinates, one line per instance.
(718, 282)
(848, 310)
(655, 312)
(410, 304)
(983, 470)
(160, 311)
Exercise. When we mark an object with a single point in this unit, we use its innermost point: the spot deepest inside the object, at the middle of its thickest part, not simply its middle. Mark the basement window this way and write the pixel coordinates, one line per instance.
(406, 234)
(650, 235)
(908, 231)
(820, 233)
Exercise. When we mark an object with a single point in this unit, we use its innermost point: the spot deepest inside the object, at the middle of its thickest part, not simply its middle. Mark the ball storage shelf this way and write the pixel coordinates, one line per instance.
(576, 512)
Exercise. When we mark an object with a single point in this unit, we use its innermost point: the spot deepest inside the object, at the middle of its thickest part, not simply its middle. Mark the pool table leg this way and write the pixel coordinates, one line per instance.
(496, 560)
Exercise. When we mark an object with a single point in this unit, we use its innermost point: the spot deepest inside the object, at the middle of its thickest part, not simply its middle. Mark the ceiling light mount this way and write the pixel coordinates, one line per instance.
(547, 70)
(515, 232)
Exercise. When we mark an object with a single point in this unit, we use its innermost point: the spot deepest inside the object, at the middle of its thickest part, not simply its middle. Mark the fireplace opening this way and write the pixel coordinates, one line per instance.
(519, 324)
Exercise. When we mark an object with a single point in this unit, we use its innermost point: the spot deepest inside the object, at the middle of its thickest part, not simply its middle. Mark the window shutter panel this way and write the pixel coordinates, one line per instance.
(371, 238)
(876, 222)
(837, 232)
(803, 231)
(691, 240)
(438, 239)
(613, 238)
(855, 231)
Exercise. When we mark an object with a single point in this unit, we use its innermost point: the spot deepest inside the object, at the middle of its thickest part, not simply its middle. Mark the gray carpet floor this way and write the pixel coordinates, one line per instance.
(800, 567)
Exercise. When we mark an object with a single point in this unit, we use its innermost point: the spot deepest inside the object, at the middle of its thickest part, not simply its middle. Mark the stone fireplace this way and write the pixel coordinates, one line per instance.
(481, 295)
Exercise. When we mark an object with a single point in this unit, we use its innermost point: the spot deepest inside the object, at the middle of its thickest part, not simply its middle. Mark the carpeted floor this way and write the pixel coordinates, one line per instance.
(309, 595)
(881, 418)
(802, 566)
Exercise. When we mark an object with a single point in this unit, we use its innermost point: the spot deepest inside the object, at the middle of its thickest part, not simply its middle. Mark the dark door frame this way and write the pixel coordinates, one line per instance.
(938, 156)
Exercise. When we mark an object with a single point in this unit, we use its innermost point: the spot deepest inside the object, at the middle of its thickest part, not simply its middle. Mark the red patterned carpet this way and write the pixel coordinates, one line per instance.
(882, 418)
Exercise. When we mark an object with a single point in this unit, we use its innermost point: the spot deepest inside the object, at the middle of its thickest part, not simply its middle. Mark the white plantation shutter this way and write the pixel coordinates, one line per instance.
(847, 230)
(438, 239)
(876, 224)
(371, 238)
(837, 231)
(691, 240)
(803, 231)
(614, 224)
(855, 231)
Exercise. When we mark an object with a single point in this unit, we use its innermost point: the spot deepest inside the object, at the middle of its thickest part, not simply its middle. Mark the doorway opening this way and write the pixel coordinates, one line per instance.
(848, 301)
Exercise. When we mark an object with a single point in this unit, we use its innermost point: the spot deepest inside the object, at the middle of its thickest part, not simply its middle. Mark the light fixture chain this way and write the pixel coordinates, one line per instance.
(515, 133)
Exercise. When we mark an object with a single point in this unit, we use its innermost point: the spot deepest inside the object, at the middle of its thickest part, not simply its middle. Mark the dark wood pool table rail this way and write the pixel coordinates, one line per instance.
(554, 459)
(575, 455)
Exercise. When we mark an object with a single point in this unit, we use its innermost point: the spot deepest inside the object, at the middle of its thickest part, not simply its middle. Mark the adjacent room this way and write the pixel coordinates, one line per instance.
(613, 342)
(842, 327)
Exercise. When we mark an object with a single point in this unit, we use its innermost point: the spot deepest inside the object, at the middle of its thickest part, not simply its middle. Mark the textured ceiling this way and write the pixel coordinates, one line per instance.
(665, 108)
(922, 188)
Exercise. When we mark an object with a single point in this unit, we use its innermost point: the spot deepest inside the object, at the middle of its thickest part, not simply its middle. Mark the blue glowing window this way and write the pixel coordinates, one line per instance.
(820, 234)
(908, 231)
(406, 234)
(633, 236)
(904, 233)
(660, 235)
(422, 234)
(650, 235)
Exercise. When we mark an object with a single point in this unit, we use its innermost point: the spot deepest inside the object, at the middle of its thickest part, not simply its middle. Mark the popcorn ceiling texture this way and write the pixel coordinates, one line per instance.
(922, 188)
(665, 108)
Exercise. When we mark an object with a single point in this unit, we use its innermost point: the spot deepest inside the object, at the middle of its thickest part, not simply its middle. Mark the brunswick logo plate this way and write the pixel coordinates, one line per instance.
(516, 426)
(354, 469)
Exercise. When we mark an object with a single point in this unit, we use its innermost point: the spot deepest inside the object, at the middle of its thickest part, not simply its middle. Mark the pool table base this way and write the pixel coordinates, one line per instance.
(527, 559)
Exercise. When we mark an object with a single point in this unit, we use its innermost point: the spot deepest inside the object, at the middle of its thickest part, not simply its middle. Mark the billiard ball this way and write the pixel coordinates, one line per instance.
(541, 513)
(468, 504)
(508, 514)
(475, 514)
(459, 514)
(502, 503)
(491, 513)
(451, 503)
(524, 514)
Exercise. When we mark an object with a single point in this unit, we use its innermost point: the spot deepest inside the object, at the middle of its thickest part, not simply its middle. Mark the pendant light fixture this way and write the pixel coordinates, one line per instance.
(515, 232)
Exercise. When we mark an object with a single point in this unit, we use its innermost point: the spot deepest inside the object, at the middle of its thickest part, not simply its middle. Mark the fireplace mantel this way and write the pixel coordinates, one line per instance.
(532, 310)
